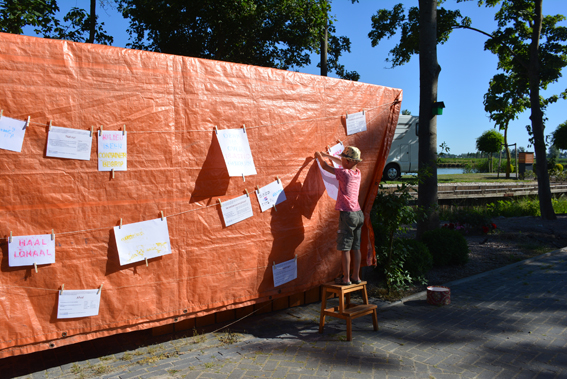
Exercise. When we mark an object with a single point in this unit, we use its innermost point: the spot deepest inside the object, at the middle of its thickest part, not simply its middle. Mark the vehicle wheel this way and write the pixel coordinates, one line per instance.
(391, 172)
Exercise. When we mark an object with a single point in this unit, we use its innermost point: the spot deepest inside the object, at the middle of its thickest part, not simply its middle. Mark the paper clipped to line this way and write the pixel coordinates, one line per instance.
(330, 181)
(69, 143)
(78, 303)
(336, 151)
(27, 250)
(270, 195)
(141, 240)
(12, 134)
(356, 123)
(112, 150)
(284, 272)
(236, 210)
(236, 152)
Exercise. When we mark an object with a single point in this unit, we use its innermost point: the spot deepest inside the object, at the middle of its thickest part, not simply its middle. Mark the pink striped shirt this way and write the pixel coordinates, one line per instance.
(349, 186)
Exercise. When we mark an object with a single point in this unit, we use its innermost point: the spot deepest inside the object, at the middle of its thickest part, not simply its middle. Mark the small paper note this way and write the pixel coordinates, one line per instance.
(330, 181)
(112, 151)
(236, 210)
(336, 151)
(27, 250)
(236, 152)
(356, 123)
(78, 303)
(284, 272)
(12, 133)
(270, 195)
(141, 240)
(69, 143)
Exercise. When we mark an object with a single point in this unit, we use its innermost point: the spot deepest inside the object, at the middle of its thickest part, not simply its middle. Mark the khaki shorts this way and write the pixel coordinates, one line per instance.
(350, 230)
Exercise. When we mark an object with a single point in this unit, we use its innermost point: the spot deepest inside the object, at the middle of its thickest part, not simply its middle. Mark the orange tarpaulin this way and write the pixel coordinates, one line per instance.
(170, 106)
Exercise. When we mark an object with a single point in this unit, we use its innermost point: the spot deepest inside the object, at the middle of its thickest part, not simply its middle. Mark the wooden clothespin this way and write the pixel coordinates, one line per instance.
(341, 142)
(146, 262)
(52, 235)
(124, 130)
(244, 127)
(247, 194)
(274, 264)
(220, 202)
(100, 131)
(10, 240)
(99, 289)
(1, 112)
(162, 216)
(62, 288)
(92, 130)
(243, 178)
(362, 110)
(120, 224)
(216, 130)
(278, 178)
(295, 257)
(346, 114)
(112, 173)
(50, 124)
(275, 207)
(35, 267)
(27, 123)
(257, 188)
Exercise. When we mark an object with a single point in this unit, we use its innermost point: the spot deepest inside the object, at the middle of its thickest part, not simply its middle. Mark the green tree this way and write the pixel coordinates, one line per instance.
(531, 46)
(269, 33)
(490, 142)
(422, 28)
(406, 112)
(559, 136)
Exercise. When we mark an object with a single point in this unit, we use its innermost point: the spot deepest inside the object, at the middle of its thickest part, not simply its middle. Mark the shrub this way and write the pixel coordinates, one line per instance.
(447, 247)
(418, 260)
(558, 167)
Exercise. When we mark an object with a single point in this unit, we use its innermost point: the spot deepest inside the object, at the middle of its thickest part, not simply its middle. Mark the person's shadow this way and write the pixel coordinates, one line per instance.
(213, 178)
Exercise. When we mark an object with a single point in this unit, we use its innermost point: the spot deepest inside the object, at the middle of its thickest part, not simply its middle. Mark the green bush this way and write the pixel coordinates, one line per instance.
(418, 260)
(558, 167)
(447, 247)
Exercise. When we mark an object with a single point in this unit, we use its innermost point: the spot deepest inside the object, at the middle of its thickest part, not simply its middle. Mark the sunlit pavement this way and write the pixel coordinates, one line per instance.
(507, 323)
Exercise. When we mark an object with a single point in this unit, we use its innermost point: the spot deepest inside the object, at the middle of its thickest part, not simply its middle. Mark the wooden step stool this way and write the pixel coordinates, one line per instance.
(346, 310)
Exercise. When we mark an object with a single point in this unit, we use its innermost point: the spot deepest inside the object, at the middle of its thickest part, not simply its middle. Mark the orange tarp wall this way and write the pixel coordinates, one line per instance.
(170, 106)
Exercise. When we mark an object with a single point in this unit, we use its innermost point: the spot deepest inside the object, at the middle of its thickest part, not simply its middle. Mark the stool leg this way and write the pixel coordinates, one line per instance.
(349, 329)
(323, 307)
(375, 320)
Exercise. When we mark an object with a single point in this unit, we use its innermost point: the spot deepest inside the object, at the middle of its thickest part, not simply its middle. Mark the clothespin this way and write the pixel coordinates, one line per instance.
(257, 189)
(275, 207)
(274, 264)
(50, 124)
(278, 178)
(62, 288)
(52, 235)
(1, 112)
(10, 240)
(244, 127)
(112, 173)
(35, 267)
(120, 223)
(27, 123)
(100, 288)
(295, 257)
(216, 130)
(362, 110)
(161, 215)
(243, 178)
(346, 114)
(146, 262)
(247, 194)
(220, 202)
(100, 131)
(124, 130)
(341, 142)
(92, 130)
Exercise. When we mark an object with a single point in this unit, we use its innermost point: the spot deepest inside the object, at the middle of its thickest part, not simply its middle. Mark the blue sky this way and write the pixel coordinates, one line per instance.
(466, 67)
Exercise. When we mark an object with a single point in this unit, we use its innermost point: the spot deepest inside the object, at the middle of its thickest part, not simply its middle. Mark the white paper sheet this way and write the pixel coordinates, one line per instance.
(78, 303)
(27, 250)
(236, 152)
(141, 240)
(336, 151)
(356, 123)
(236, 210)
(284, 272)
(69, 143)
(271, 194)
(112, 151)
(12, 133)
(331, 182)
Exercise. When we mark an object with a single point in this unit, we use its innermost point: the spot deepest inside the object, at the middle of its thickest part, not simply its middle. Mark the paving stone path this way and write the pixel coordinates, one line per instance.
(507, 323)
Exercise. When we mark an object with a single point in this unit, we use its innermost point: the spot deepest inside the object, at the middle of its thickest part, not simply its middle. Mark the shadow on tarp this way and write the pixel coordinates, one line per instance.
(213, 178)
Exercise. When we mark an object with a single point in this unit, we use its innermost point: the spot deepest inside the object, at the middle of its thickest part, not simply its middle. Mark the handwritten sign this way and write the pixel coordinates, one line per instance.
(355, 123)
(336, 151)
(69, 143)
(112, 151)
(330, 181)
(141, 240)
(236, 210)
(236, 152)
(12, 133)
(270, 195)
(78, 303)
(27, 250)
(284, 272)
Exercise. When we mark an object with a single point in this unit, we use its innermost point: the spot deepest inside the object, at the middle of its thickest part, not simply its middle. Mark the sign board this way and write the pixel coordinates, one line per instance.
(141, 240)
(12, 133)
(112, 151)
(69, 143)
(236, 152)
(27, 250)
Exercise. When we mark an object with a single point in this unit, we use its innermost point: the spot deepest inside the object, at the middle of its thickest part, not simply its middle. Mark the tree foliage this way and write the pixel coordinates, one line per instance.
(270, 33)
(559, 136)
(490, 142)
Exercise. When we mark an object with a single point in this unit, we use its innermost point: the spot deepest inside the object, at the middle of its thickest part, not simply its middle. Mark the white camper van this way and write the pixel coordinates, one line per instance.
(403, 155)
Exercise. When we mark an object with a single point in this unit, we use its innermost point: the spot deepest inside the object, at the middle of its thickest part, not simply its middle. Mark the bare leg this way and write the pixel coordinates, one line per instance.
(356, 265)
(346, 266)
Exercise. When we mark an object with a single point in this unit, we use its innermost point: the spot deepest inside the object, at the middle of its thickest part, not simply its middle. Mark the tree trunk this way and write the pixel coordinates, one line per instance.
(428, 75)
(543, 188)
(508, 156)
(92, 22)
(324, 50)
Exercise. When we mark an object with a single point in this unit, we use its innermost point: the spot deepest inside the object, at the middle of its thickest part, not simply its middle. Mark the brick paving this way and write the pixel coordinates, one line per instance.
(507, 323)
